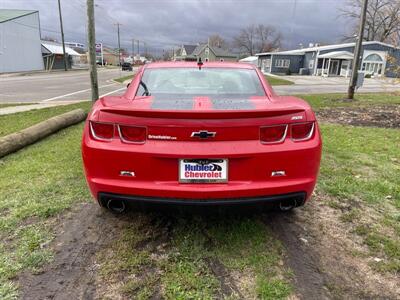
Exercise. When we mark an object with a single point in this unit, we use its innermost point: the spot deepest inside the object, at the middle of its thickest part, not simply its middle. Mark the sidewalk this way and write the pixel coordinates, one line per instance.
(21, 108)
(326, 85)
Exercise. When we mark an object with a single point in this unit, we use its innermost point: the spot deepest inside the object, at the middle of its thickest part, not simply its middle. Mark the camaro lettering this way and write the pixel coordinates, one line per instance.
(297, 117)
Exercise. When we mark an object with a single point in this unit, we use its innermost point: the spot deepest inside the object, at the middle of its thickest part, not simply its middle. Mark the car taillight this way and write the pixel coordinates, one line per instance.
(102, 131)
(132, 134)
(302, 131)
(273, 134)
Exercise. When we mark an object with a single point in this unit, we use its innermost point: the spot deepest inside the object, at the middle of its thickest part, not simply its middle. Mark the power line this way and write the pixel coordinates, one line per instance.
(35, 27)
(154, 44)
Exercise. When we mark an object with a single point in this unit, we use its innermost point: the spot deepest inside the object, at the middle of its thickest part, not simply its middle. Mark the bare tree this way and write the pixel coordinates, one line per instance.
(394, 67)
(268, 38)
(383, 19)
(167, 54)
(258, 38)
(395, 39)
(216, 40)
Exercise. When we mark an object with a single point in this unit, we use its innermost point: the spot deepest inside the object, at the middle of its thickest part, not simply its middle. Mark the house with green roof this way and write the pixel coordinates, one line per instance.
(204, 51)
(20, 47)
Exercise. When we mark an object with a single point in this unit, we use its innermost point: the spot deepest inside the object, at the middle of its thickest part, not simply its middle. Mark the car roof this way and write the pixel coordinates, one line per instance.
(193, 64)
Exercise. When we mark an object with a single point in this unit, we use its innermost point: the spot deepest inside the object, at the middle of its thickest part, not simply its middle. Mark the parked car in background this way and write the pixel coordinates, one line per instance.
(99, 62)
(212, 133)
(126, 66)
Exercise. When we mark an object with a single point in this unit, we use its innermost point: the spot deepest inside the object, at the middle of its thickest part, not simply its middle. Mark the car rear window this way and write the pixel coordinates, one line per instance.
(191, 82)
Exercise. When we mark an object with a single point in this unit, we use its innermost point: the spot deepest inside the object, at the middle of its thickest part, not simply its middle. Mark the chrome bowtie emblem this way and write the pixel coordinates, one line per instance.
(203, 134)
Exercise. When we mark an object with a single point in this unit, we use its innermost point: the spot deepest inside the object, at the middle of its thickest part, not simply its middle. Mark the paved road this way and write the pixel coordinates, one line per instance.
(58, 86)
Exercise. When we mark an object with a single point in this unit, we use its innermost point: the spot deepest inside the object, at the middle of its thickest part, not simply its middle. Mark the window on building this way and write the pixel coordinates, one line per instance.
(373, 57)
(373, 64)
(282, 63)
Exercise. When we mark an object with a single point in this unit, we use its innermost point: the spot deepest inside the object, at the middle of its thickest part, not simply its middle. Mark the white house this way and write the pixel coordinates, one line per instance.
(333, 60)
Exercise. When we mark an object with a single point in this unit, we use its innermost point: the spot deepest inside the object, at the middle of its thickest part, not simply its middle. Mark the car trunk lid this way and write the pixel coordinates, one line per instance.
(202, 118)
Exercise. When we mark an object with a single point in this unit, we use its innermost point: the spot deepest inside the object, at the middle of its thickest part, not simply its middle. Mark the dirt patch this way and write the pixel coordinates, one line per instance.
(378, 116)
(321, 254)
(309, 280)
(83, 232)
(227, 282)
(131, 267)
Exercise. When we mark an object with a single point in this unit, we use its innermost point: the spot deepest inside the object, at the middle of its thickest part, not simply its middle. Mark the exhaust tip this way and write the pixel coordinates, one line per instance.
(116, 206)
(287, 205)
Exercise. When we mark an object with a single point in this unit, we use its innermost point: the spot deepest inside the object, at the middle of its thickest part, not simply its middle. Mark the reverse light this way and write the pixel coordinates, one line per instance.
(132, 134)
(302, 131)
(278, 173)
(273, 134)
(102, 131)
(127, 173)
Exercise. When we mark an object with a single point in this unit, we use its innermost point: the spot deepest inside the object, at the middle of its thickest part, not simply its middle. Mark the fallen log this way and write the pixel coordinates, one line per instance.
(18, 140)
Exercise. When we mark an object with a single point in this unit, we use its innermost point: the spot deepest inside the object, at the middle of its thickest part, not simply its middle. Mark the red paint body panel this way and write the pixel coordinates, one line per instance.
(155, 162)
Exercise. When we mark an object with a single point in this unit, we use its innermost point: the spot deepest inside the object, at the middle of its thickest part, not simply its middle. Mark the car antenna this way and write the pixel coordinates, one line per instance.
(199, 63)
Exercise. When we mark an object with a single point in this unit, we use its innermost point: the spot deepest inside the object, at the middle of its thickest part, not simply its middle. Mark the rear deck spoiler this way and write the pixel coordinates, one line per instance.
(203, 114)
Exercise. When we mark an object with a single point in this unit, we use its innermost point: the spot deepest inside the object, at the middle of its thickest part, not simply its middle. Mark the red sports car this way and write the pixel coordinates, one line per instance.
(194, 133)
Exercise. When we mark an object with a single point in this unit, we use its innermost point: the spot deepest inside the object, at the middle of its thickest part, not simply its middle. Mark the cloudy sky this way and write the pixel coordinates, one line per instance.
(165, 23)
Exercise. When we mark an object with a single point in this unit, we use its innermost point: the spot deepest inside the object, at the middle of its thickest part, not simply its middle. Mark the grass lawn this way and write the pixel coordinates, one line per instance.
(123, 78)
(36, 184)
(15, 122)
(277, 81)
(336, 100)
(360, 170)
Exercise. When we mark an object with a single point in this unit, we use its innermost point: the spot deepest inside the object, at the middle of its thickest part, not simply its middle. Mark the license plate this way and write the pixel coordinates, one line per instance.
(203, 170)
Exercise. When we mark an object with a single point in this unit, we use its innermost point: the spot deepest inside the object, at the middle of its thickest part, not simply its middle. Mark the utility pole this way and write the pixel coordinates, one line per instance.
(357, 52)
(62, 36)
(119, 44)
(138, 47)
(92, 50)
(133, 47)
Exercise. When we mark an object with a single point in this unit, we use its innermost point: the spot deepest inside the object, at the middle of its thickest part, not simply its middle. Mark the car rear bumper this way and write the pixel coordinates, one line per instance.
(297, 198)
(155, 168)
(201, 191)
